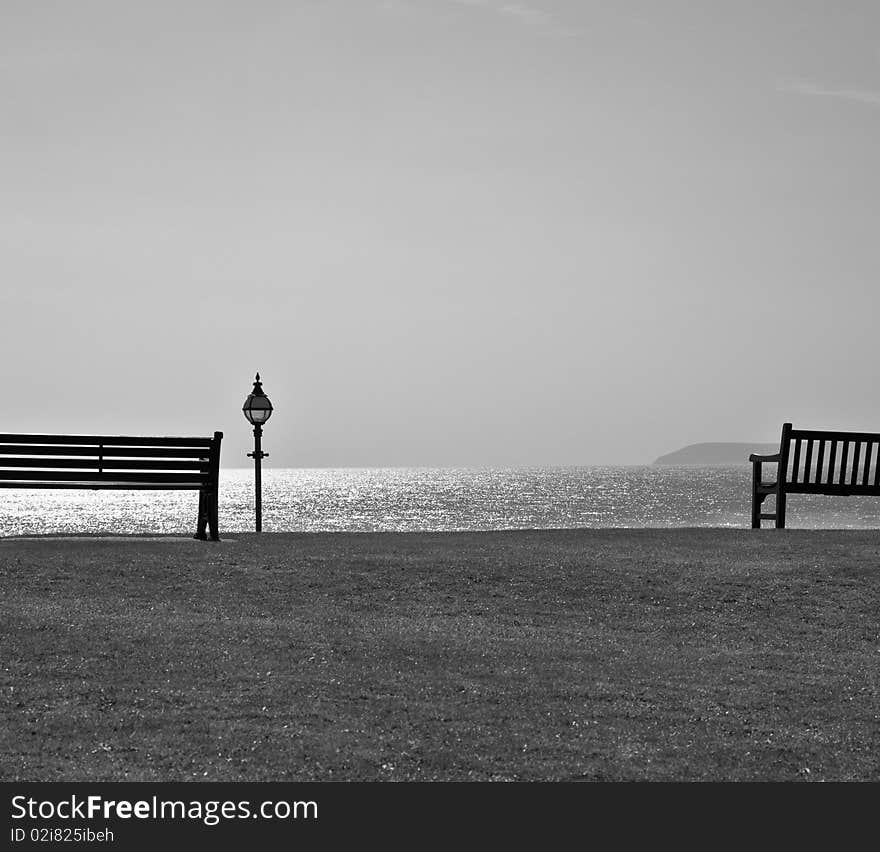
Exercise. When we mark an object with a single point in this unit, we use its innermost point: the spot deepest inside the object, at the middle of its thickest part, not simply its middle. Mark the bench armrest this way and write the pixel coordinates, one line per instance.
(754, 457)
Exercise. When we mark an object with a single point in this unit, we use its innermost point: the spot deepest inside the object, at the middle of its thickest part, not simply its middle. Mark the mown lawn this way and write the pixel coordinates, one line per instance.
(554, 655)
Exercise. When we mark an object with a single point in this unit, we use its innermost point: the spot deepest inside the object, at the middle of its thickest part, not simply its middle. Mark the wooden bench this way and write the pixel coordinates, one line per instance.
(117, 462)
(810, 461)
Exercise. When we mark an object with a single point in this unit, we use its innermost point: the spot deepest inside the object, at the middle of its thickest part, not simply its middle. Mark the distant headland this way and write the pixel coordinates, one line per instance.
(715, 453)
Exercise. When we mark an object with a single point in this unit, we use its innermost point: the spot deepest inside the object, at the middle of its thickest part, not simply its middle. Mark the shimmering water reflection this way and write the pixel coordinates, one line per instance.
(410, 499)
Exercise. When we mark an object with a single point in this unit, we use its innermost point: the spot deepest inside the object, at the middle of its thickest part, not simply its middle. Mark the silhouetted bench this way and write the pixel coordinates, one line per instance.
(118, 462)
(816, 462)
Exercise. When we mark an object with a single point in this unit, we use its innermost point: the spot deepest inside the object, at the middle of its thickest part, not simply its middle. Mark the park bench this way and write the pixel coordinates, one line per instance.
(813, 461)
(117, 462)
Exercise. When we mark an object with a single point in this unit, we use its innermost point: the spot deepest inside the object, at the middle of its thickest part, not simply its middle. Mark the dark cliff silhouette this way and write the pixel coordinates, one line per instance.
(716, 453)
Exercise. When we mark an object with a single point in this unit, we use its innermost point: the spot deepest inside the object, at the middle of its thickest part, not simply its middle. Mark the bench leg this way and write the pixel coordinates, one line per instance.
(202, 521)
(213, 515)
(780, 509)
(757, 499)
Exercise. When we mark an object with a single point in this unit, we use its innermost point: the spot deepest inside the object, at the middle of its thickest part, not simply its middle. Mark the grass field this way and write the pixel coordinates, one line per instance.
(552, 655)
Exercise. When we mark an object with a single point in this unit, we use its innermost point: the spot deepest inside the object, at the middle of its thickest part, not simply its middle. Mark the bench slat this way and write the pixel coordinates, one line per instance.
(869, 449)
(820, 463)
(797, 460)
(809, 461)
(830, 435)
(100, 478)
(107, 440)
(107, 486)
(857, 452)
(841, 478)
(95, 464)
(831, 459)
(833, 489)
(121, 452)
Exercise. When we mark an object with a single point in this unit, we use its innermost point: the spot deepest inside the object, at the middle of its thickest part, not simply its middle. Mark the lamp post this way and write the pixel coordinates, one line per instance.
(257, 409)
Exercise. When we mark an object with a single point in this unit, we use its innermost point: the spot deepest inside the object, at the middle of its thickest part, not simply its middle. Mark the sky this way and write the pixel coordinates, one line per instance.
(446, 232)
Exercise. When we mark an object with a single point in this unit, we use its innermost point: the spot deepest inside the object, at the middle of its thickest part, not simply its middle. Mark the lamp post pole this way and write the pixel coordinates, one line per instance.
(258, 455)
(258, 409)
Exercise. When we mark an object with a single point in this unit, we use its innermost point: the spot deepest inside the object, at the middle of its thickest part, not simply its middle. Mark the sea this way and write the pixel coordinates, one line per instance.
(434, 499)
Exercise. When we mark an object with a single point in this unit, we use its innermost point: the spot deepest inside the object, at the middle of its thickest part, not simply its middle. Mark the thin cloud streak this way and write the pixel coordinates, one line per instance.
(804, 87)
(535, 18)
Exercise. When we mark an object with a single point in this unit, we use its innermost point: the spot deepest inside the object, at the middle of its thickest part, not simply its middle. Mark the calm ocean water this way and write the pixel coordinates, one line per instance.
(408, 499)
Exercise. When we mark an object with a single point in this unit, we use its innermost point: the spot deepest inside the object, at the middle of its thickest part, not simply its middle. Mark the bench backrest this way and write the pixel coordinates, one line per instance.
(815, 461)
(104, 461)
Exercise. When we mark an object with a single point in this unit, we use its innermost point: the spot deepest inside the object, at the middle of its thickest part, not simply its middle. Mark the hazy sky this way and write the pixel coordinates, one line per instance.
(446, 232)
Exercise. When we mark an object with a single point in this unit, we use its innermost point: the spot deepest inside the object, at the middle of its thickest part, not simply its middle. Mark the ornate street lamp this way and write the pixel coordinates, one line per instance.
(257, 409)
